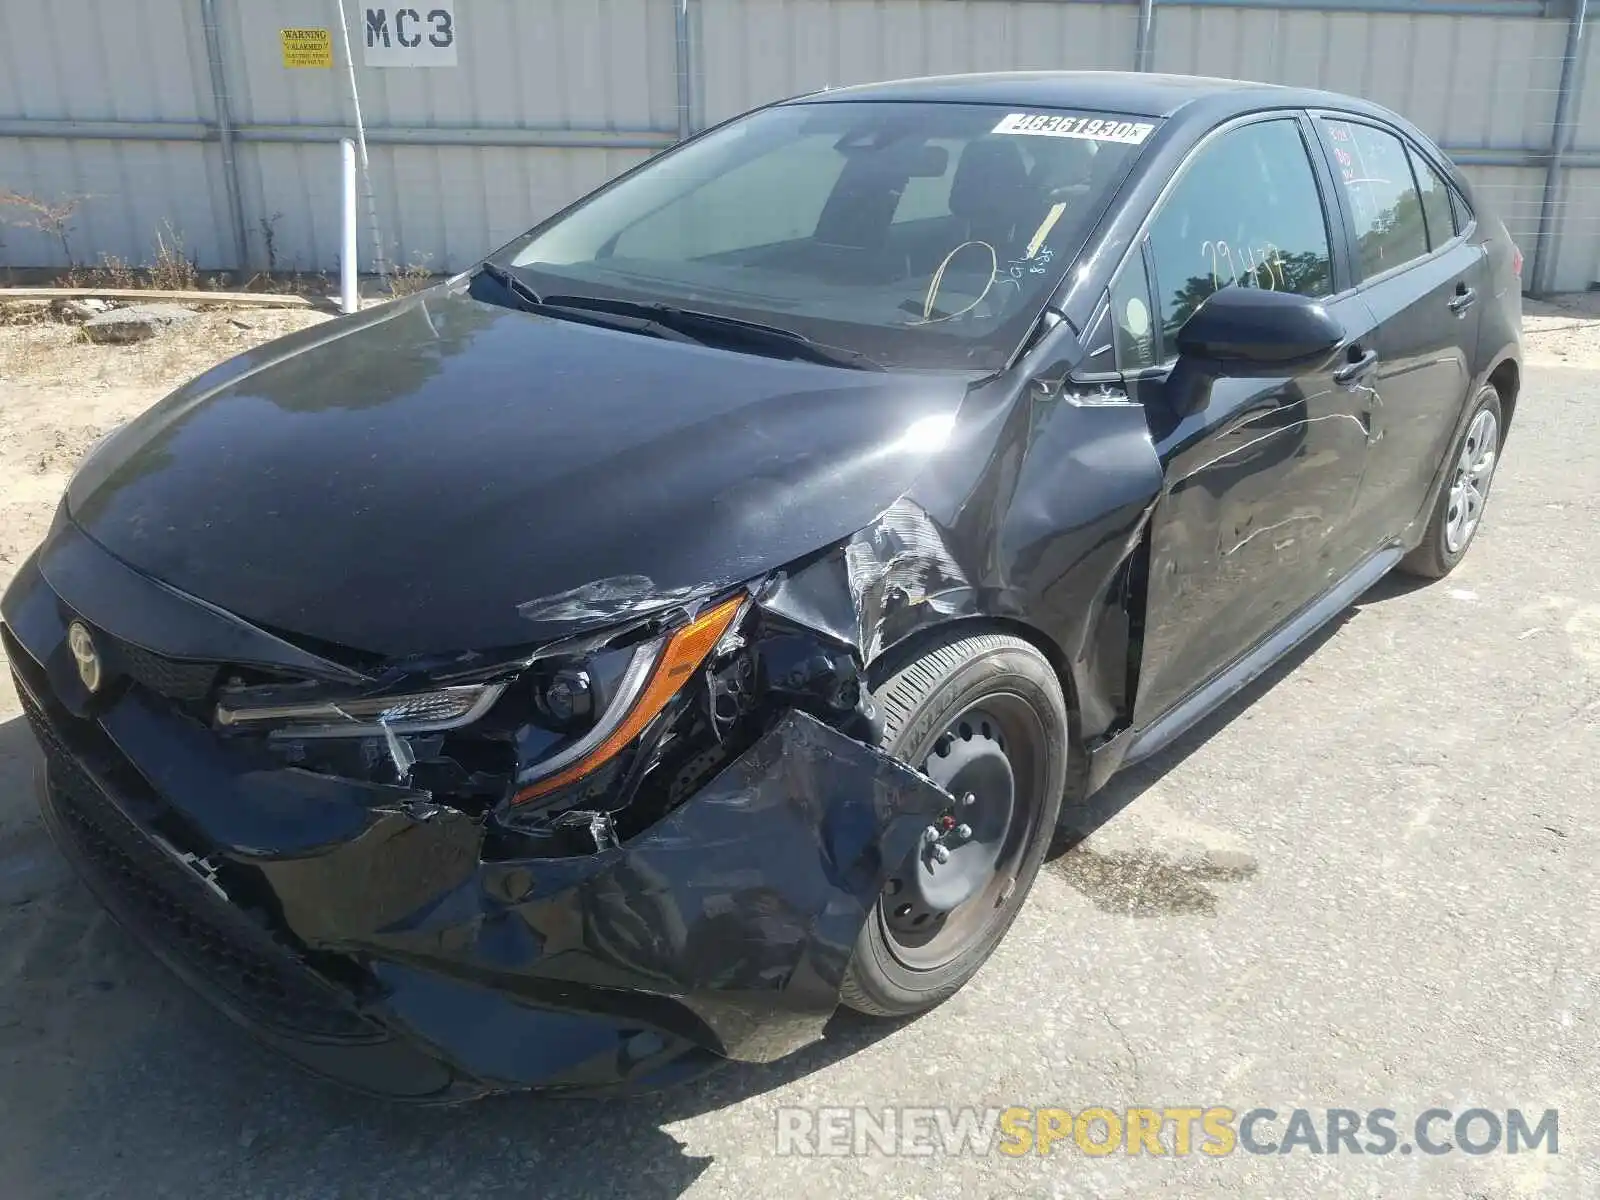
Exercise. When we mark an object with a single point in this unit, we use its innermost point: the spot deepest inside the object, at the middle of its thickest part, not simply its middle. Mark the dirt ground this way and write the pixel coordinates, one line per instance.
(1413, 796)
(59, 394)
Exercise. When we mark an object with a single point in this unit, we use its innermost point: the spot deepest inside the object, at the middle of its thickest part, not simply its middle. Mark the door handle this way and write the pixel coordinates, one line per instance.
(1464, 299)
(1356, 367)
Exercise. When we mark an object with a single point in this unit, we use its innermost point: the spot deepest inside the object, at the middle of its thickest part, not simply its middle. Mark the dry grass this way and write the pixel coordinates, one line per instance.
(172, 271)
(112, 272)
(413, 277)
(51, 353)
(176, 273)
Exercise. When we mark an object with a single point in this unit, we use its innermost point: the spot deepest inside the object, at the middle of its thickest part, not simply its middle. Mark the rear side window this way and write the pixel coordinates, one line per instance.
(1375, 174)
(1245, 213)
(1435, 195)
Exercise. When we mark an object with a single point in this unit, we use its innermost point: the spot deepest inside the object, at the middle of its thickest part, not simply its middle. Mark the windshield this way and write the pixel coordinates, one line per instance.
(916, 235)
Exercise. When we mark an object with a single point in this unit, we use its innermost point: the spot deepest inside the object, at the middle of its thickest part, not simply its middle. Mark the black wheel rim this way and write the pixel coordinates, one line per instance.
(955, 884)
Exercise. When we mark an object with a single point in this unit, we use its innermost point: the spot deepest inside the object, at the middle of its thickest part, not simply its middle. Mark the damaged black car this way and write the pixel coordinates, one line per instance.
(703, 612)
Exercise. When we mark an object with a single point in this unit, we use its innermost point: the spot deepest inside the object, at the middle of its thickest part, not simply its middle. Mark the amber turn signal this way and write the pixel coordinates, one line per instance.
(685, 651)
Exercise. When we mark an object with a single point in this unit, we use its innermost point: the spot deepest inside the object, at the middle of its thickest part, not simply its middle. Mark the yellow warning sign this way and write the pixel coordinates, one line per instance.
(307, 47)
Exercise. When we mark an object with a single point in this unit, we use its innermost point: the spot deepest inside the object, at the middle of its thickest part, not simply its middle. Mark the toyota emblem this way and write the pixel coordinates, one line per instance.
(81, 643)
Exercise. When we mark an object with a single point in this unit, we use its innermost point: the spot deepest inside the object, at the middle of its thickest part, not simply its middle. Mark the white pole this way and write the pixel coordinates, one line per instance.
(378, 264)
(347, 229)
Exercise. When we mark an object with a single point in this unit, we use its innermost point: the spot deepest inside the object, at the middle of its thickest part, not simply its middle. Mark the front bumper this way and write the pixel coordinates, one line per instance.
(370, 932)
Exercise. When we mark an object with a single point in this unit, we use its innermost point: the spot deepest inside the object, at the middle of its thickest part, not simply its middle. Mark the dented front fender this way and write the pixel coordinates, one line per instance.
(743, 905)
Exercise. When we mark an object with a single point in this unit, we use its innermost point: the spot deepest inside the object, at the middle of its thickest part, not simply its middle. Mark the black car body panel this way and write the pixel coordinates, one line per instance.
(444, 488)
(574, 972)
(448, 431)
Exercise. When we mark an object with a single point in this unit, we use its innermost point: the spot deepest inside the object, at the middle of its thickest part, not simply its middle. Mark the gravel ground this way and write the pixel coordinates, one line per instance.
(1369, 883)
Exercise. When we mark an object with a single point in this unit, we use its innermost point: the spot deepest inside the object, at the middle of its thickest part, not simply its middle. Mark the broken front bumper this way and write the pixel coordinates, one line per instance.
(373, 934)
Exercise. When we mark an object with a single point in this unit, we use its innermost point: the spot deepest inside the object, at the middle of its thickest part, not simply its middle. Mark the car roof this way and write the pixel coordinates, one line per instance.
(1134, 93)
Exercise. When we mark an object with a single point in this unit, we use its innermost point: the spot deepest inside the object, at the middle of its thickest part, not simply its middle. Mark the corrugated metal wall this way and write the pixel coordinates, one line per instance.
(88, 60)
(753, 51)
(460, 157)
(524, 63)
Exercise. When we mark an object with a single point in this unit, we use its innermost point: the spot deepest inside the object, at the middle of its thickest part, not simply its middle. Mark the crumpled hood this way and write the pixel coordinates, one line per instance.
(442, 475)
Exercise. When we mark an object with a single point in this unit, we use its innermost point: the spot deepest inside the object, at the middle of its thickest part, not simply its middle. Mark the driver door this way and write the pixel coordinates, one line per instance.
(1260, 482)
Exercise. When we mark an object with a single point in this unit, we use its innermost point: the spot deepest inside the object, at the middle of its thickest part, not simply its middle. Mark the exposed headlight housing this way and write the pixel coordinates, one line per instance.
(652, 674)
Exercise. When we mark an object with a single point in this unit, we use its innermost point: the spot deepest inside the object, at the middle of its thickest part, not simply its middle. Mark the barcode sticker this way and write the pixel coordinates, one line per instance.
(1094, 129)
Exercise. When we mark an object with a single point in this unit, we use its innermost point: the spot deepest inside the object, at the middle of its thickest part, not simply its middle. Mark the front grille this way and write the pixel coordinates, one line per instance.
(168, 903)
(166, 676)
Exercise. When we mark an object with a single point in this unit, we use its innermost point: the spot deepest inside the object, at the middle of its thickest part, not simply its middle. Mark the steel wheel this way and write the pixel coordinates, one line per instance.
(983, 715)
(948, 891)
(1470, 487)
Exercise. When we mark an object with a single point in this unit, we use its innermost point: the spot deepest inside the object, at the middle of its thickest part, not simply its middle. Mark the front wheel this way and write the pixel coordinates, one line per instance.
(1459, 511)
(982, 715)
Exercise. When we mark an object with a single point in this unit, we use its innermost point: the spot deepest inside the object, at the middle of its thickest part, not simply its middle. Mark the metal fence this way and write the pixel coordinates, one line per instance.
(148, 116)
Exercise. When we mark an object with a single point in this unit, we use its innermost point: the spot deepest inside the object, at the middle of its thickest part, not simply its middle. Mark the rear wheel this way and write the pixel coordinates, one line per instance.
(983, 716)
(1459, 511)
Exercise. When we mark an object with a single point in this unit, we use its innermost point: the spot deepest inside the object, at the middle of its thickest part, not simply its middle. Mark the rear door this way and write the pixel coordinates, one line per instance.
(1426, 284)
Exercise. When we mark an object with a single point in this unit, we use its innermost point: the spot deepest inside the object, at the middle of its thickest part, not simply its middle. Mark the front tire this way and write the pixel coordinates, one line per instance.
(1458, 514)
(984, 716)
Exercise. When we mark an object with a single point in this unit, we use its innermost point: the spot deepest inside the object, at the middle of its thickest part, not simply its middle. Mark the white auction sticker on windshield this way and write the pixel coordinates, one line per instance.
(1094, 129)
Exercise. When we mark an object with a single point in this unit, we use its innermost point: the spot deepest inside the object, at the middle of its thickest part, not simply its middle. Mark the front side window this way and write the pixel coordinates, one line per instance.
(1245, 213)
(920, 235)
(1375, 174)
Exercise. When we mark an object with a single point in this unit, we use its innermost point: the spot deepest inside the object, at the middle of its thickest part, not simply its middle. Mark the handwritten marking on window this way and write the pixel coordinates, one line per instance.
(1262, 265)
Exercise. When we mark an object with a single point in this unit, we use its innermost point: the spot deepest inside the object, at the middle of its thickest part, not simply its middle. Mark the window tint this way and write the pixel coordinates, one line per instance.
(1246, 213)
(718, 217)
(1376, 177)
(1435, 202)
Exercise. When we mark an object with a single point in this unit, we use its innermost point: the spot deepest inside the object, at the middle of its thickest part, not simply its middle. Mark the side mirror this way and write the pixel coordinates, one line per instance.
(1248, 331)
(1244, 329)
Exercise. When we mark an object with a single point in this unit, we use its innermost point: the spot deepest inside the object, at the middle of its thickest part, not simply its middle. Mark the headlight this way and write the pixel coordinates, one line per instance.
(413, 712)
(598, 697)
(645, 680)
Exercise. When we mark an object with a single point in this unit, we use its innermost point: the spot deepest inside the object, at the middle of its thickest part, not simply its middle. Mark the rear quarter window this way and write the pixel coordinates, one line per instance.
(1435, 193)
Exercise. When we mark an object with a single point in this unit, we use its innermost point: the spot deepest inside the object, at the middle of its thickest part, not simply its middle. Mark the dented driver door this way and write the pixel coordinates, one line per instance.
(1260, 480)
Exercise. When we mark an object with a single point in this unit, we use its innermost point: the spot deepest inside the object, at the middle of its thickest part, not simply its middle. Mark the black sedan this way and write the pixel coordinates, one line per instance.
(705, 610)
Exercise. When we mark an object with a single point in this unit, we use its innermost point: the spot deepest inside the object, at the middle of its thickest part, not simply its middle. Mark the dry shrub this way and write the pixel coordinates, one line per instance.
(50, 217)
(172, 271)
(413, 277)
(112, 272)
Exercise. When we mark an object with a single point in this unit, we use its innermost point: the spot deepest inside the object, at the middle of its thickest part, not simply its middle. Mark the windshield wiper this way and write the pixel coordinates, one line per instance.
(753, 334)
(605, 318)
(510, 282)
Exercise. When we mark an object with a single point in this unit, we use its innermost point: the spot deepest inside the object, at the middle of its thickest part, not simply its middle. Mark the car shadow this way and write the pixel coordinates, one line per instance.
(19, 759)
(1127, 785)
